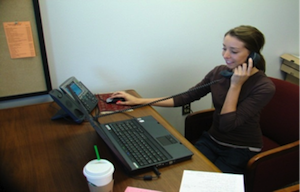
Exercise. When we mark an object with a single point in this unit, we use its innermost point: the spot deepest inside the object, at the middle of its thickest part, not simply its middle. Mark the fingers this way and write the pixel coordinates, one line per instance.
(240, 70)
(244, 69)
(118, 94)
(129, 99)
(250, 62)
(250, 66)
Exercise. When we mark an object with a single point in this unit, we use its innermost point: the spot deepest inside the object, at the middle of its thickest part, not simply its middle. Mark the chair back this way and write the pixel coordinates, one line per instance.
(279, 119)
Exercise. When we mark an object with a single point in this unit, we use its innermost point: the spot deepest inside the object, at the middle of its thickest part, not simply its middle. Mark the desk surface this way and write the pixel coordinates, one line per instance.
(38, 154)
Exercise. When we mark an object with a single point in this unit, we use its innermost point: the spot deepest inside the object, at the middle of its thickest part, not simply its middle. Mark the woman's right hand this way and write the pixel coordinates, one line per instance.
(129, 99)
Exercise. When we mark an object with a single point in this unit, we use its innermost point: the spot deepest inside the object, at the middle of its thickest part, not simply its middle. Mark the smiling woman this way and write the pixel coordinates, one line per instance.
(234, 51)
(235, 136)
(251, 39)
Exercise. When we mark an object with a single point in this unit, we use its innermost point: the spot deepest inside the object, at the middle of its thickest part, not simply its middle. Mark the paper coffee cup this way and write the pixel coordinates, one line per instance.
(99, 174)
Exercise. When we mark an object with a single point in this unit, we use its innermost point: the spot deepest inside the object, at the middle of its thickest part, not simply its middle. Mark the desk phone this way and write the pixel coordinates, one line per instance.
(69, 107)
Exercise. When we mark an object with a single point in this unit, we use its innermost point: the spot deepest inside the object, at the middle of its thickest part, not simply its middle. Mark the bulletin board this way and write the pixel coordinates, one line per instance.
(24, 68)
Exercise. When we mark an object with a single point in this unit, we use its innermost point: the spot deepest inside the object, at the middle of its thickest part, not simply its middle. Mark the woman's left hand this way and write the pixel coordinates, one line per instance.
(242, 73)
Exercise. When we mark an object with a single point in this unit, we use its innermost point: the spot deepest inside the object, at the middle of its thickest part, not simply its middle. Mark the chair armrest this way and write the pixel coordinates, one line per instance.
(196, 123)
(273, 169)
(294, 188)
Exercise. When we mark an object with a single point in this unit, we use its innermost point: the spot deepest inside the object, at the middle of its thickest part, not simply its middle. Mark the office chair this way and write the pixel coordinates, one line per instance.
(277, 165)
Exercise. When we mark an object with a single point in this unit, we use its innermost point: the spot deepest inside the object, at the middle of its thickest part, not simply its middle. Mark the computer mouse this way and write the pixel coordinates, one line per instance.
(114, 100)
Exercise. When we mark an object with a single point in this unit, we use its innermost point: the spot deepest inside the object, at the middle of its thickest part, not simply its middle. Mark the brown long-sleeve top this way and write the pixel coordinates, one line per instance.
(241, 127)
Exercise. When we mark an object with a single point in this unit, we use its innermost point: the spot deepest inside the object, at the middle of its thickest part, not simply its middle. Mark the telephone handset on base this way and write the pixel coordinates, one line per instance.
(255, 58)
(69, 107)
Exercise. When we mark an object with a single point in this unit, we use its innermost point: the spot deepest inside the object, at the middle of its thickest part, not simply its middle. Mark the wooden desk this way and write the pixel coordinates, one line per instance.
(38, 154)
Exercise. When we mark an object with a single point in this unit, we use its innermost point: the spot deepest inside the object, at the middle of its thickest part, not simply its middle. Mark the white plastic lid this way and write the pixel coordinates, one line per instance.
(99, 172)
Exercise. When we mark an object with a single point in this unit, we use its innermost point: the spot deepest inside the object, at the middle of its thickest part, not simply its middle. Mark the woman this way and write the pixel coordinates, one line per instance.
(235, 135)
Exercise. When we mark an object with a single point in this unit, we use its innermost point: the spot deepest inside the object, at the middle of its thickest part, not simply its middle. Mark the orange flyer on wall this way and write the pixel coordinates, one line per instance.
(19, 39)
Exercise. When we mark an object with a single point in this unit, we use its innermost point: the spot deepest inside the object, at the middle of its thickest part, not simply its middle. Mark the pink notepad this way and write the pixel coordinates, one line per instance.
(135, 189)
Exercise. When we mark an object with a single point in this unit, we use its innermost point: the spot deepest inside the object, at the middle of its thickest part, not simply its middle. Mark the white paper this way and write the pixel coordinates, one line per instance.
(198, 181)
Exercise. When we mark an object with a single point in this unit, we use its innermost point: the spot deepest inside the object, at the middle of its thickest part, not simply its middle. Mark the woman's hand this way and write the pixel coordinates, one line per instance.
(242, 73)
(129, 99)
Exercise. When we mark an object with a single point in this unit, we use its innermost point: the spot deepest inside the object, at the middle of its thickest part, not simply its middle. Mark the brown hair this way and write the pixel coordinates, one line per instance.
(253, 39)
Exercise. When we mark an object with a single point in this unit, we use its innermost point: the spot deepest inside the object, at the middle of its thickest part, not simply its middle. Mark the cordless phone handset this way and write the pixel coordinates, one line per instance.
(255, 58)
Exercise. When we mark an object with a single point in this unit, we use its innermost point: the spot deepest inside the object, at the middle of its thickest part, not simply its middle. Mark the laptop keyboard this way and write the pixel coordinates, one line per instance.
(138, 144)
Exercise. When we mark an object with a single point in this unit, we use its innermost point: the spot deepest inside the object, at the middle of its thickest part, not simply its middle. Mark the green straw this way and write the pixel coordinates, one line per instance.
(97, 153)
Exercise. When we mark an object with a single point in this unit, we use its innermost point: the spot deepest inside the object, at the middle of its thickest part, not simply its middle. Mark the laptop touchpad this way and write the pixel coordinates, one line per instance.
(166, 140)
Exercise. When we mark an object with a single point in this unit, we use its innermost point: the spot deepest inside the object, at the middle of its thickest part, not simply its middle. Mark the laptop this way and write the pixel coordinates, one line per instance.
(144, 142)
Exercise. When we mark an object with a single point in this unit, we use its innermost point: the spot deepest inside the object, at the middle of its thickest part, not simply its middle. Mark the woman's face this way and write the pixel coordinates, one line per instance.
(234, 51)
